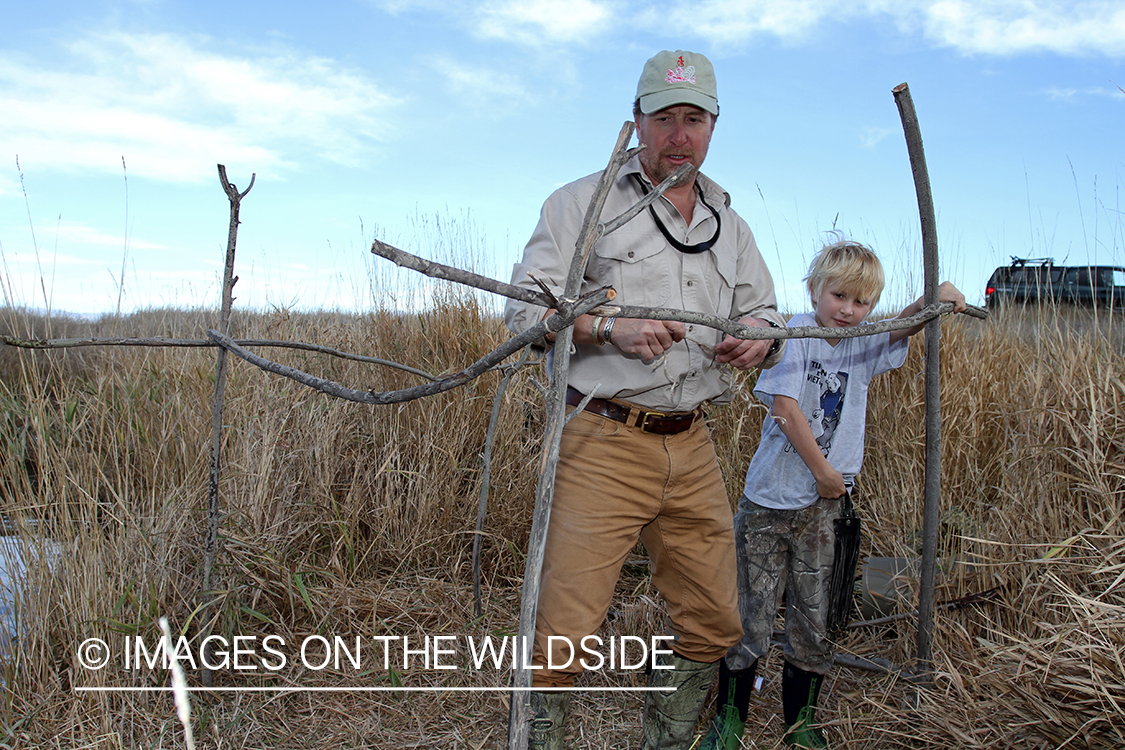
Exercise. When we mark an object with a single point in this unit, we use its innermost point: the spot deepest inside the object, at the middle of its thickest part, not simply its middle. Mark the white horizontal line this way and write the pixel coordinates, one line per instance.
(165, 689)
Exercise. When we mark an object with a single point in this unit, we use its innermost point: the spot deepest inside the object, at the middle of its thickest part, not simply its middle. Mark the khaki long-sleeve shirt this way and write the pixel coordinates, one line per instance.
(730, 280)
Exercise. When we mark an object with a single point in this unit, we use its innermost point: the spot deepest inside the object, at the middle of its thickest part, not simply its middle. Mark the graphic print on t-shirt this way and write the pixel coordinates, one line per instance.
(826, 417)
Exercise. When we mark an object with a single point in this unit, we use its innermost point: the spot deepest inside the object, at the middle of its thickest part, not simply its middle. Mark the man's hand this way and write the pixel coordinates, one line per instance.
(646, 339)
(742, 354)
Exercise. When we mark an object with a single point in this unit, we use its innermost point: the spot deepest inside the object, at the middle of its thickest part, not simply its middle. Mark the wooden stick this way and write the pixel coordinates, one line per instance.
(188, 343)
(519, 716)
(486, 474)
(561, 320)
(437, 270)
(932, 504)
(211, 539)
(732, 327)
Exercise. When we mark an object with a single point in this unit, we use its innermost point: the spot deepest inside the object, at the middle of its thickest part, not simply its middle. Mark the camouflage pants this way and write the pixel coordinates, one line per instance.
(786, 552)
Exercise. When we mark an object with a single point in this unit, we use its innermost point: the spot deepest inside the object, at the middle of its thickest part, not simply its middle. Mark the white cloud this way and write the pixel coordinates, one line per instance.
(737, 21)
(9, 186)
(81, 233)
(871, 137)
(1005, 27)
(994, 27)
(1070, 94)
(174, 108)
(528, 22)
(482, 84)
(533, 21)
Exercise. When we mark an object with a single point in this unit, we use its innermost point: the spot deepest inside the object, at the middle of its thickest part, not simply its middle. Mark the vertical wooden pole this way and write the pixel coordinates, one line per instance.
(932, 506)
(519, 715)
(210, 542)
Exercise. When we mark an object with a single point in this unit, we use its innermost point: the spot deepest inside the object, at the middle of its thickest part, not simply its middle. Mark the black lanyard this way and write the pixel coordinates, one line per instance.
(702, 247)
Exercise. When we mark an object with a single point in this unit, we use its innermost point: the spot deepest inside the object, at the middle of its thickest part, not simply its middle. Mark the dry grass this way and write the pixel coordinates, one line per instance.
(349, 520)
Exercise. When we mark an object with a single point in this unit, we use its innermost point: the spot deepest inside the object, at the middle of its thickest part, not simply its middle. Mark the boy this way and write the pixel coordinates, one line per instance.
(797, 484)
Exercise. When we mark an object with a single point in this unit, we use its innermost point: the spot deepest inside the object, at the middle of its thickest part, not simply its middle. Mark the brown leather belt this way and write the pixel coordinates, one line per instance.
(656, 422)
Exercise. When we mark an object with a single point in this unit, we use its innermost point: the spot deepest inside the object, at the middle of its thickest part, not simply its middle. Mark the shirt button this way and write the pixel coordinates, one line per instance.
(630, 253)
(691, 283)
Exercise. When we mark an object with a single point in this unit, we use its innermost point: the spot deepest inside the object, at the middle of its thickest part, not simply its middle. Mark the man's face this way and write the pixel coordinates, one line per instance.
(674, 136)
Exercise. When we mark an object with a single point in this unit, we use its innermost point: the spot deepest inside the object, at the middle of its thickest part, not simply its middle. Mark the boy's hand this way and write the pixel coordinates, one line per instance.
(742, 354)
(946, 293)
(831, 484)
(949, 293)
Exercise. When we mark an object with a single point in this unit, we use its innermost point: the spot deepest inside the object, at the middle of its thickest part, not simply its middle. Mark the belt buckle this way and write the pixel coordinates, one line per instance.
(643, 421)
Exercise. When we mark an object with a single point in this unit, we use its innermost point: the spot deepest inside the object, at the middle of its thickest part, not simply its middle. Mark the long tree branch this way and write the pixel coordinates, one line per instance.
(211, 538)
(153, 342)
(931, 507)
(561, 320)
(743, 331)
(732, 327)
(519, 714)
(441, 271)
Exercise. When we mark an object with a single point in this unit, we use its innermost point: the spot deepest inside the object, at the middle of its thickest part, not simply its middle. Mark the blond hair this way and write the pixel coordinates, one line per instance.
(852, 265)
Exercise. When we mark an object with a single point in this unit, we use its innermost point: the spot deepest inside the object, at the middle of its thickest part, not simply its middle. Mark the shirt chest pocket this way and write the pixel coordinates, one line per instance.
(718, 274)
(637, 265)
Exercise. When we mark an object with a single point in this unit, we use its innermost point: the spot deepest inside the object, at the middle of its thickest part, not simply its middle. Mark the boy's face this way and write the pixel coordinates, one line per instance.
(836, 308)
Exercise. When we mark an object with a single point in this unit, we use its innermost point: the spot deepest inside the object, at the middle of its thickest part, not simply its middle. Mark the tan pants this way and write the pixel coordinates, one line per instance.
(615, 484)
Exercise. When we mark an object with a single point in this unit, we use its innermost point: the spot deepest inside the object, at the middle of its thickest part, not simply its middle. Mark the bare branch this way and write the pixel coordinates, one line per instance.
(591, 230)
(733, 327)
(449, 273)
(742, 331)
(163, 342)
(486, 471)
(931, 510)
(211, 538)
(562, 319)
(519, 715)
(614, 224)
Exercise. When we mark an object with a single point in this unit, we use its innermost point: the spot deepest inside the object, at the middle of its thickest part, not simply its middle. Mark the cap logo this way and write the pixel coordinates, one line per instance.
(681, 74)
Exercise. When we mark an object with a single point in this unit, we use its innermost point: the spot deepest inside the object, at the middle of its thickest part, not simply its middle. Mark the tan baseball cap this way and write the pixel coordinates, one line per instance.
(678, 77)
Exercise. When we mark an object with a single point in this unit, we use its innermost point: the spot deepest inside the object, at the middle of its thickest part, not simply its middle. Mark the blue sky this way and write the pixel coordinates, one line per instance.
(442, 126)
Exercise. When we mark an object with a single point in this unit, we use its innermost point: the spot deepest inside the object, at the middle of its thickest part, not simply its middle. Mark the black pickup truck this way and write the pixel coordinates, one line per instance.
(1033, 280)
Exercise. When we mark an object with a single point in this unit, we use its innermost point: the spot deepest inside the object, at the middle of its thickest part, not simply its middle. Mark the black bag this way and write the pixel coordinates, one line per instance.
(841, 586)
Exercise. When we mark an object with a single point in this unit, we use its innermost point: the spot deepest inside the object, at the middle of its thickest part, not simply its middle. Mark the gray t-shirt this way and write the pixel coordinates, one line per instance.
(829, 384)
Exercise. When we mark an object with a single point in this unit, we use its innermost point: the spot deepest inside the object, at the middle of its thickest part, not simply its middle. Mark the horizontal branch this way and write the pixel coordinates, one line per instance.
(441, 271)
(739, 330)
(614, 224)
(74, 343)
(732, 327)
(553, 324)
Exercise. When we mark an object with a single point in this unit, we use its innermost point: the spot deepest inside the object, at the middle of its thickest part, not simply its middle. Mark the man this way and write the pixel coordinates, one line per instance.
(639, 462)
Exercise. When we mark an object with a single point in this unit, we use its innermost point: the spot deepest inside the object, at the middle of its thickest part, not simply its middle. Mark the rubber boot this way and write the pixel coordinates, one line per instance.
(548, 720)
(799, 693)
(731, 708)
(670, 717)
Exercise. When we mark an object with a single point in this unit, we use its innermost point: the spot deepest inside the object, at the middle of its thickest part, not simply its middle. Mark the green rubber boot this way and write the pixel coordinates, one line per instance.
(725, 732)
(804, 733)
(548, 720)
(800, 691)
(670, 717)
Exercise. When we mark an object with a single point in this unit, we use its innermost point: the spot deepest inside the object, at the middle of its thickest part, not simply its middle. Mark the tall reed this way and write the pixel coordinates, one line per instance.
(348, 519)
